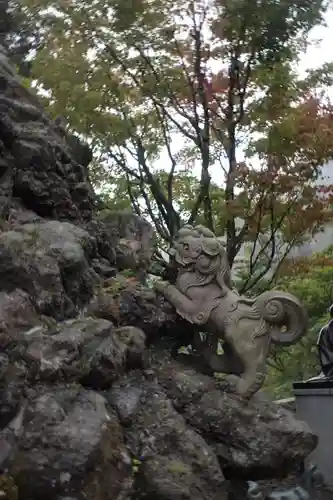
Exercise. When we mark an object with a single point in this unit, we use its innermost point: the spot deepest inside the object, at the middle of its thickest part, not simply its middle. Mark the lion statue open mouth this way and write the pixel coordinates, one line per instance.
(203, 295)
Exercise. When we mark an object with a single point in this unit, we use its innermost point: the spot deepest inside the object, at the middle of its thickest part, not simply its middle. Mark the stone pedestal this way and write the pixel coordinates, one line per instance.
(314, 405)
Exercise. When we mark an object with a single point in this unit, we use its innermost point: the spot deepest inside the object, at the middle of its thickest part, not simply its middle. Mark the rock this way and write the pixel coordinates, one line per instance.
(253, 440)
(125, 301)
(49, 261)
(87, 350)
(103, 305)
(296, 493)
(17, 314)
(13, 376)
(43, 167)
(103, 268)
(79, 150)
(19, 215)
(105, 243)
(287, 403)
(8, 488)
(126, 401)
(174, 461)
(40, 164)
(135, 238)
(135, 341)
(71, 446)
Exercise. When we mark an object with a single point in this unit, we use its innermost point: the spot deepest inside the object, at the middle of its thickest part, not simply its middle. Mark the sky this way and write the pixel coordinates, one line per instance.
(315, 57)
(319, 53)
(322, 52)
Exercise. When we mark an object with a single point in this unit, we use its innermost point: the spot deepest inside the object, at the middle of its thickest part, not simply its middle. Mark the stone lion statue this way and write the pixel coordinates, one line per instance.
(203, 295)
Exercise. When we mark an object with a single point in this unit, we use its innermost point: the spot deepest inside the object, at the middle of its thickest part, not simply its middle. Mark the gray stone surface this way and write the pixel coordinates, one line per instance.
(49, 260)
(39, 163)
(253, 440)
(135, 238)
(68, 443)
(174, 461)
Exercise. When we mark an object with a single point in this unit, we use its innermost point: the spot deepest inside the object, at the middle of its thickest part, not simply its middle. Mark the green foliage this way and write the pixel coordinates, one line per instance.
(20, 34)
(134, 79)
(311, 280)
(136, 465)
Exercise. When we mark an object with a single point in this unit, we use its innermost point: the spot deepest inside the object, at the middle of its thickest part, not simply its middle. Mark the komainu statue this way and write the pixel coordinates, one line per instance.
(203, 295)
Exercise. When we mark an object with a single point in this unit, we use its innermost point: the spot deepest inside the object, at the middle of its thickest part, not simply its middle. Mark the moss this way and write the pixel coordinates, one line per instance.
(135, 465)
(128, 273)
(50, 323)
(110, 474)
(113, 286)
(8, 487)
(32, 237)
(178, 467)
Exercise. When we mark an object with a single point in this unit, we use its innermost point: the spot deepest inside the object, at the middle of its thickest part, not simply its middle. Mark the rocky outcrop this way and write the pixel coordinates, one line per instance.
(271, 441)
(69, 443)
(135, 241)
(38, 165)
(93, 404)
(124, 301)
(88, 412)
(50, 261)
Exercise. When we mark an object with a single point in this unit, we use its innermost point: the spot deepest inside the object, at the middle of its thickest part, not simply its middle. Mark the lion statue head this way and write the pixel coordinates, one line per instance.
(198, 249)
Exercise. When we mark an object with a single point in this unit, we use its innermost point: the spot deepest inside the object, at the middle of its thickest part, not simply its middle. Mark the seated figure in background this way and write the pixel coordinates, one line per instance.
(325, 347)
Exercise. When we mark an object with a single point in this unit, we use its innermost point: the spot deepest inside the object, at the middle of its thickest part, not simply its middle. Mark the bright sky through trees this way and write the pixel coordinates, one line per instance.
(316, 55)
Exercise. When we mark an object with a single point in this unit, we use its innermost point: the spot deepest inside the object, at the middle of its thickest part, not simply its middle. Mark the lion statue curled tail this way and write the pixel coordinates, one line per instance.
(203, 295)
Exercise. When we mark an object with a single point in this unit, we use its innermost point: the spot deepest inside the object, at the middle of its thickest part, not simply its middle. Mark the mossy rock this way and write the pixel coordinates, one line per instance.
(8, 488)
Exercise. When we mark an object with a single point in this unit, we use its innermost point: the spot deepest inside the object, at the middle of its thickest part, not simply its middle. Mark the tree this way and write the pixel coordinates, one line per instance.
(311, 280)
(184, 184)
(198, 83)
(20, 34)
